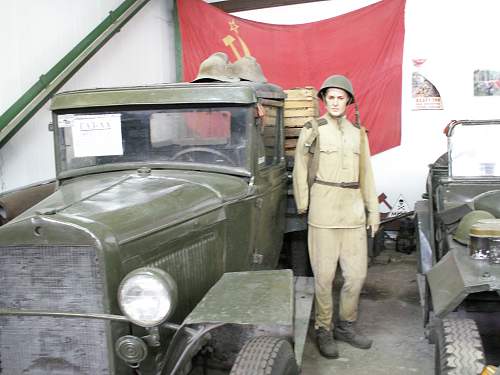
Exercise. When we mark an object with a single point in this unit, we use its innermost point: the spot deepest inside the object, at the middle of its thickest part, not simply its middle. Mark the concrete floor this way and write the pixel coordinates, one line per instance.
(390, 314)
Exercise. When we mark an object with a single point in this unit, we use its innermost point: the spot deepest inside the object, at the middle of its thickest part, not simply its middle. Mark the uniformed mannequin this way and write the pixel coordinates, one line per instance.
(333, 182)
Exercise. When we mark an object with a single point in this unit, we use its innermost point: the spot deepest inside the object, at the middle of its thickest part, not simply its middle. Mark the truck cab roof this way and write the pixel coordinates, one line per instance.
(243, 92)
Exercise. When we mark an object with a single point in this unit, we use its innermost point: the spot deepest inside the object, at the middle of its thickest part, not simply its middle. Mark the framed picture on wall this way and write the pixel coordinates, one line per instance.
(486, 82)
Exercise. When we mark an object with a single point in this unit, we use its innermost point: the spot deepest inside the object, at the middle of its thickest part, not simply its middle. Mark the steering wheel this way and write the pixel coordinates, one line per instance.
(206, 150)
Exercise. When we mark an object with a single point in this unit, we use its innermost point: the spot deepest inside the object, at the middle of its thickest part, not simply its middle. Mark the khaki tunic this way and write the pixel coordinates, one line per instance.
(339, 161)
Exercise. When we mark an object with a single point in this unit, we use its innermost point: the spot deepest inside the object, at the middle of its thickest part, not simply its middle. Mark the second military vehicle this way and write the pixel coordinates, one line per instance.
(458, 230)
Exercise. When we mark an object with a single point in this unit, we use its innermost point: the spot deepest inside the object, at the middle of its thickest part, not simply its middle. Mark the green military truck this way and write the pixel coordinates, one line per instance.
(155, 254)
(458, 232)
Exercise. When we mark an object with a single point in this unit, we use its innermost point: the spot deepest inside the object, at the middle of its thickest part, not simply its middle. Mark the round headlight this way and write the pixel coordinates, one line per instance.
(147, 296)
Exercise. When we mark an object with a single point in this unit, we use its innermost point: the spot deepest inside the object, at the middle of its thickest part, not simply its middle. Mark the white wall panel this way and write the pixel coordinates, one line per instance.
(37, 34)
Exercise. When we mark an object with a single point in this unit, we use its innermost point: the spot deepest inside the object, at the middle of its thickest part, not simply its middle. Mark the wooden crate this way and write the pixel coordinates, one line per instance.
(301, 105)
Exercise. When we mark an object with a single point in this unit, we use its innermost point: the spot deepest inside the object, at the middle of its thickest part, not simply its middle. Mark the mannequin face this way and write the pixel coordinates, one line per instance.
(336, 101)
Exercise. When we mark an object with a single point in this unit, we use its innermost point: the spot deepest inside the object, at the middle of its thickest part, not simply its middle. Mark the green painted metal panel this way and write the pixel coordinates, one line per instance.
(180, 93)
(134, 207)
(304, 295)
(456, 276)
(253, 298)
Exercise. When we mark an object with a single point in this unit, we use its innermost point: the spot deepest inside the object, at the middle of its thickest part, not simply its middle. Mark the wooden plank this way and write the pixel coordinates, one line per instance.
(270, 111)
(292, 132)
(302, 112)
(293, 122)
(242, 5)
(269, 131)
(291, 104)
(290, 143)
(300, 93)
(269, 121)
(269, 142)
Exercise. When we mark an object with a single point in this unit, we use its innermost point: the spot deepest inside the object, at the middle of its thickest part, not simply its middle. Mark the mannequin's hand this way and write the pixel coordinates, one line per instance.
(373, 228)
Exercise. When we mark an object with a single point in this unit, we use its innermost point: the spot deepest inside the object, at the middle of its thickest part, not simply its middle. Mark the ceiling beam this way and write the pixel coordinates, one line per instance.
(230, 6)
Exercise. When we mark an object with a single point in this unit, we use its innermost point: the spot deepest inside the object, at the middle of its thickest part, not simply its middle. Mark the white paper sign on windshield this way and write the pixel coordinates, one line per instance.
(97, 135)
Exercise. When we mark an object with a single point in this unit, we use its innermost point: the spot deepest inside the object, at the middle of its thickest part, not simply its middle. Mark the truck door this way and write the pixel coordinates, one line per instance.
(271, 185)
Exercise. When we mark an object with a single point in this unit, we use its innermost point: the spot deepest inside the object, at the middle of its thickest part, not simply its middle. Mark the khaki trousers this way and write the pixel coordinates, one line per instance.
(327, 248)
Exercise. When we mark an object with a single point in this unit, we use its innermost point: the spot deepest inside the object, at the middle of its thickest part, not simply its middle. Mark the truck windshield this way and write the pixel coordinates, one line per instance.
(474, 151)
(216, 136)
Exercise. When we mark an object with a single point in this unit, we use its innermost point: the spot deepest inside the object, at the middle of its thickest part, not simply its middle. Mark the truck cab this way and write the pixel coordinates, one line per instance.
(170, 206)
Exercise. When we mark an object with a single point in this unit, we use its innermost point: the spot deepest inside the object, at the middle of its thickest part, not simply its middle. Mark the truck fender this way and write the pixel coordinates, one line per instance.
(242, 305)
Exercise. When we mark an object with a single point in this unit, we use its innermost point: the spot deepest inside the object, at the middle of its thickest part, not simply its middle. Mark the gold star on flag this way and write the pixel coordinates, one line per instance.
(233, 26)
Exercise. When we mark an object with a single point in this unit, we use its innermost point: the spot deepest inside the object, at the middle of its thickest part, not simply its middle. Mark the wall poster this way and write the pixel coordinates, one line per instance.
(486, 82)
(424, 94)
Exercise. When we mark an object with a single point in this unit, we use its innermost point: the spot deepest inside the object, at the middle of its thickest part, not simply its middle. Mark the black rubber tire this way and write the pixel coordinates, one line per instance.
(265, 356)
(459, 350)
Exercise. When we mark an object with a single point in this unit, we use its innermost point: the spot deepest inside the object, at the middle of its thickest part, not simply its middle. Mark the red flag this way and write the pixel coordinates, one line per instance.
(365, 45)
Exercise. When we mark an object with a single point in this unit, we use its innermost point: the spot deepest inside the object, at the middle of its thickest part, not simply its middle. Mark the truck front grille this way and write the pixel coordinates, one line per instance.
(52, 279)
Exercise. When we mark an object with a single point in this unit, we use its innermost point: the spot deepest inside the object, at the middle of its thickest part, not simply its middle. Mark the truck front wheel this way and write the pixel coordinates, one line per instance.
(459, 350)
(265, 356)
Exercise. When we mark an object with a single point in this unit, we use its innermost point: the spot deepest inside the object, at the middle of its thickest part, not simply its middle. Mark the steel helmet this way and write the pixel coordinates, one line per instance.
(489, 201)
(340, 82)
(248, 69)
(215, 68)
(462, 233)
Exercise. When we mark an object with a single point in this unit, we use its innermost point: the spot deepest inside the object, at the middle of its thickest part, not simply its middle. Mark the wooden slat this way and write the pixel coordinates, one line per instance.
(292, 132)
(270, 111)
(269, 141)
(302, 112)
(300, 104)
(269, 121)
(290, 143)
(300, 93)
(293, 122)
(242, 5)
(269, 131)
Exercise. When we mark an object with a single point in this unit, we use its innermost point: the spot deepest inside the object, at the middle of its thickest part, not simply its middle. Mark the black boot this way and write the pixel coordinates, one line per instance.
(326, 344)
(344, 331)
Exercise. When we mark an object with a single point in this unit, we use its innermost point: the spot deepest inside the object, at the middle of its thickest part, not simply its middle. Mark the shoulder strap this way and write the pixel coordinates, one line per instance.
(313, 143)
(363, 134)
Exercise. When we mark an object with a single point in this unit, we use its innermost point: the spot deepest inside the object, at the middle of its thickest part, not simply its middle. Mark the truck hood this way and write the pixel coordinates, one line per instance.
(129, 203)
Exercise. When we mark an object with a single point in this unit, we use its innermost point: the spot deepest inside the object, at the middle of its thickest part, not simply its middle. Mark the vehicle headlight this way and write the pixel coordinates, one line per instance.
(147, 296)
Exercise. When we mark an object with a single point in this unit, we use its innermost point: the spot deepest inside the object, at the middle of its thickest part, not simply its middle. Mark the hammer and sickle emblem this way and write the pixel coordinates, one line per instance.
(229, 41)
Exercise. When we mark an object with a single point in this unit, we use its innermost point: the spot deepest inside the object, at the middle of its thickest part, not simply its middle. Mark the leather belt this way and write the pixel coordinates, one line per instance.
(346, 185)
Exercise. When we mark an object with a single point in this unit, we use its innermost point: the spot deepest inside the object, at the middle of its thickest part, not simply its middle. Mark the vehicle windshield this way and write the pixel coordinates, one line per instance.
(473, 150)
(214, 136)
